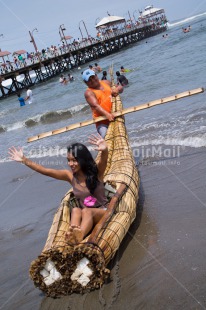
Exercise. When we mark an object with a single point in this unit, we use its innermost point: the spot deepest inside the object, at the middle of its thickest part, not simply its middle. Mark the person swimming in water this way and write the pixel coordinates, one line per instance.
(123, 70)
(97, 68)
(104, 75)
(121, 79)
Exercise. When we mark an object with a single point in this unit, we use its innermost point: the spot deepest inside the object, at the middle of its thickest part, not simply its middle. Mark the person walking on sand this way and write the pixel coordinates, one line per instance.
(86, 178)
(29, 95)
(98, 96)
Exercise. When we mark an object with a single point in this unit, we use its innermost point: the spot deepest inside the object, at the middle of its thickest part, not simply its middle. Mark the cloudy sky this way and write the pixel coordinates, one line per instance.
(17, 17)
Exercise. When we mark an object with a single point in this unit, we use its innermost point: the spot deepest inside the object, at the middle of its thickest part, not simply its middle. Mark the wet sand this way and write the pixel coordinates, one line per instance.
(161, 262)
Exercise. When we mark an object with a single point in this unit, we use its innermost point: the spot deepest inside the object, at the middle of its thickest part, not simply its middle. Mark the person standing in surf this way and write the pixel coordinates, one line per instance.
(99, 96)
(29, 95)
(21, 100)
(121, 79)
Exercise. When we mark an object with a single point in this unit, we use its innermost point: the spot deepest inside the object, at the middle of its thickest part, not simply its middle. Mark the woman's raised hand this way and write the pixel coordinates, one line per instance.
(100, 143)
(15, 154)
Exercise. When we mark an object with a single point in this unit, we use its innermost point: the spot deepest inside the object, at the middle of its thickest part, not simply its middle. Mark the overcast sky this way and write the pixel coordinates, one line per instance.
(17, 17)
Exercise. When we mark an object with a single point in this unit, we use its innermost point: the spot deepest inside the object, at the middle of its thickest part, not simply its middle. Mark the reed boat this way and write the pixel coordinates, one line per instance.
(62, 269)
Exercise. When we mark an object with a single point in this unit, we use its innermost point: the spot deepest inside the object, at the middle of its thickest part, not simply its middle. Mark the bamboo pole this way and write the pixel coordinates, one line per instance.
(144, 106)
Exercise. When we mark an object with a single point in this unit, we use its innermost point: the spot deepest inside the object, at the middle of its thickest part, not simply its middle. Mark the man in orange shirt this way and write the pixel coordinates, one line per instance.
(99, 96)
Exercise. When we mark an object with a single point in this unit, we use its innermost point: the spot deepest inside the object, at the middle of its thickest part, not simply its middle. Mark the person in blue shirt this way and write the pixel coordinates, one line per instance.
(21, 100)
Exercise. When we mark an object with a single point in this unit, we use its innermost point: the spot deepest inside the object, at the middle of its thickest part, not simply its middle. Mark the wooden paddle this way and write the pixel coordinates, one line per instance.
(119, 113)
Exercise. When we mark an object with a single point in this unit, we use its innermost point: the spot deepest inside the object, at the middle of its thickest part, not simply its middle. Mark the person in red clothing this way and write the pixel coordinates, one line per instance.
(99, 96)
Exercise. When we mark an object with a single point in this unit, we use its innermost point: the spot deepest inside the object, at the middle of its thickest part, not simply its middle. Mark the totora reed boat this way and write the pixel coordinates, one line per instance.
(62, 269)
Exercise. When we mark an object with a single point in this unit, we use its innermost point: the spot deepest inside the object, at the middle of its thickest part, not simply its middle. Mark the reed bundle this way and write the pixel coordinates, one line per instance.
(62, 269)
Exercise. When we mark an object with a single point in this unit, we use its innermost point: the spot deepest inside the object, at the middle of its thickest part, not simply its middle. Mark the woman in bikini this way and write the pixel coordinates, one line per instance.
(86, 178)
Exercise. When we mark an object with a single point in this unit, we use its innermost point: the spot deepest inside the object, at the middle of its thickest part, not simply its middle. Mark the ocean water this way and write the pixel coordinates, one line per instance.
(160, 67)
(161, 261)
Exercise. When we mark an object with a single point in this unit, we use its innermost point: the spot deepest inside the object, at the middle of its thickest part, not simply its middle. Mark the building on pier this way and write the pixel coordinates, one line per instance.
(109, 25)
(153, 15)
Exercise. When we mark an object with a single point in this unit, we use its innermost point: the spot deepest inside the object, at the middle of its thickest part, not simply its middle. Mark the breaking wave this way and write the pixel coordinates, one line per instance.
(186, 20)
(46, 118)
(195, 141)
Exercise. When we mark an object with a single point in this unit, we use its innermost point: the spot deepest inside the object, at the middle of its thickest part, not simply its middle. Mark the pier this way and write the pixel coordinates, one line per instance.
(74, 55)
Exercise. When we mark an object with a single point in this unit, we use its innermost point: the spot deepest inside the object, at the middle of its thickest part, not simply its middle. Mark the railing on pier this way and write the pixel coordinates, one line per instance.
(57, 61)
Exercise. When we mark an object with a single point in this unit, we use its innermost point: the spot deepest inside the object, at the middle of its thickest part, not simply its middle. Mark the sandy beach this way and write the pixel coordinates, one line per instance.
(161, 262)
